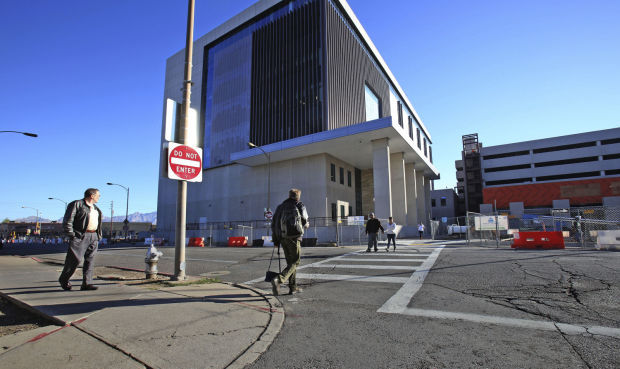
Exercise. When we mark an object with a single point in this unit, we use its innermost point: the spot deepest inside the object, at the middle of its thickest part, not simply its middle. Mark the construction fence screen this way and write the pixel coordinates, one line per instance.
(579, 226)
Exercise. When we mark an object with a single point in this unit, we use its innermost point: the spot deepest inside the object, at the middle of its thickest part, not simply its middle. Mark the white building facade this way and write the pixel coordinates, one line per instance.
(303, 82)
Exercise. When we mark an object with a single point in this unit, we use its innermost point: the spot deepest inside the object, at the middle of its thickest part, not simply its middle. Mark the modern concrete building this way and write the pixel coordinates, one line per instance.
(302, 81)
(573, 170)
(443, 204)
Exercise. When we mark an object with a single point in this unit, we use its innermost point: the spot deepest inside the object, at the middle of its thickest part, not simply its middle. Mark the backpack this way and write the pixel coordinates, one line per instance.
(290, 221)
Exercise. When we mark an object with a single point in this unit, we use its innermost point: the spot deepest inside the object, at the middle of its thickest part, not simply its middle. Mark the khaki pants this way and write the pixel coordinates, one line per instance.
(292, 254)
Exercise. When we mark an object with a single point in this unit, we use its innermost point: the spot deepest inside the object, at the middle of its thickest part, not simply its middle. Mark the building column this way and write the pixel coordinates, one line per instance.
(399, 187)
(420, 198)
(381, 178)
(412, 208)
(427, 202)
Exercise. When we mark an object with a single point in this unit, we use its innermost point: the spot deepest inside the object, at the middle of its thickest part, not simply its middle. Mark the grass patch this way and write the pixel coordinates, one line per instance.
(189, 283)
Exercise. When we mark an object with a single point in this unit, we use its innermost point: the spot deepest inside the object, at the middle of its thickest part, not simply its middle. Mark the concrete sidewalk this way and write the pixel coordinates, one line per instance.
(215, 325)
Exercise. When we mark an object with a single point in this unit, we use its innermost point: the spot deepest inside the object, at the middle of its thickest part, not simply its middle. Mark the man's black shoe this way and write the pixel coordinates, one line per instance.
(88, 287)
(65, 285)
(368, 250)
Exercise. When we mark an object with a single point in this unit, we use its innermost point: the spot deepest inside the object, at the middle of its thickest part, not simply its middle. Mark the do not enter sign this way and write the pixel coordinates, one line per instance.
(184, 162)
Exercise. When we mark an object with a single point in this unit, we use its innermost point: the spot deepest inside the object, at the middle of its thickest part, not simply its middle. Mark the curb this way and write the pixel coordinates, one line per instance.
(269, 334)
(30, 309)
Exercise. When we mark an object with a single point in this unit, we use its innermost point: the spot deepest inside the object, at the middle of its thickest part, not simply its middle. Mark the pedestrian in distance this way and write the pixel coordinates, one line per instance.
(390, 232)
(372, 230)
(82, 224)
(288, 225)
(421, 230)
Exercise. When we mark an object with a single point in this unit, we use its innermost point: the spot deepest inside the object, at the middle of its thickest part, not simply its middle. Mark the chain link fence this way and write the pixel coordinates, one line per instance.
(579, 226)
(322, 231)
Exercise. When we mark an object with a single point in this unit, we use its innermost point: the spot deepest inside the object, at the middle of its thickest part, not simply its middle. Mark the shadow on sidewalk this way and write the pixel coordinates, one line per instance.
(91, 306)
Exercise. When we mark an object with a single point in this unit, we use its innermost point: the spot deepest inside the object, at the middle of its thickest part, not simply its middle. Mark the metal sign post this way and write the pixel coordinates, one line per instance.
(179, 248)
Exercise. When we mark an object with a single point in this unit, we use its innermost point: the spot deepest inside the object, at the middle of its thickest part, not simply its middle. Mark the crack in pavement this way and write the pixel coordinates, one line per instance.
(573, 346)
(175, 336)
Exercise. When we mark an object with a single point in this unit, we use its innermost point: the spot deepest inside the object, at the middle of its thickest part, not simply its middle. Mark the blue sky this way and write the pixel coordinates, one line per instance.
(88, 77)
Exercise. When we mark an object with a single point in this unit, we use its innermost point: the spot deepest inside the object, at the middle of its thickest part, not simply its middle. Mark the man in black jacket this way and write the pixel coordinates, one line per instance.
(291, 242)
(372, 230)
(82, 223)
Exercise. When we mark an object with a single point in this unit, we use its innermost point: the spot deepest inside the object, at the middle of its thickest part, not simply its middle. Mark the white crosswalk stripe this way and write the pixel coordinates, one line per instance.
(359, 260)
(353, 278)
(363, 266)
(417, 260)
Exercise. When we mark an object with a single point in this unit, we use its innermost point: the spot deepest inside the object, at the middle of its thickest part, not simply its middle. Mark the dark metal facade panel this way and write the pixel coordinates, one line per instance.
(287, 79)
(349, 68)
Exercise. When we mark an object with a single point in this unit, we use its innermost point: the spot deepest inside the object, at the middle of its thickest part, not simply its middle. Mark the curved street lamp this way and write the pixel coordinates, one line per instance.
(55, 198)
(23, 133)
(126, 209)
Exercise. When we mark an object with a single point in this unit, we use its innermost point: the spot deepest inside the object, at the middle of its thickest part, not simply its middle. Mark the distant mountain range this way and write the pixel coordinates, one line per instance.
(133, 218)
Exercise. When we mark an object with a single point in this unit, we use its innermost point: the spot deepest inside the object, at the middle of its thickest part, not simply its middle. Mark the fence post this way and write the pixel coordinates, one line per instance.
(468, 228)
(496, 230)
(210, 235)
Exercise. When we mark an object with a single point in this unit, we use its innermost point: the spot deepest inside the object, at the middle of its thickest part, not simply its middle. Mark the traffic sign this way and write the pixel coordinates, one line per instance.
(268, 215)
(184, 162)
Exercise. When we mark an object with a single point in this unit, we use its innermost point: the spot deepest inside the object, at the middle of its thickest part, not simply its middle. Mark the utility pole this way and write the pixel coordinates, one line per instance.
(111, 219)
(179, 247)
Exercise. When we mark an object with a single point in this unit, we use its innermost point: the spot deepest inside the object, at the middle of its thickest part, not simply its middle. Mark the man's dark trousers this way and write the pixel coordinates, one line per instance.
(85, 248)
(292, 253)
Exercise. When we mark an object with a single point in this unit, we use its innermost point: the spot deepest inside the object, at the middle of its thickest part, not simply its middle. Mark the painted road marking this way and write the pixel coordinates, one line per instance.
(569, 329)
(362, 266)
(417, 260)
(350, 256)
(400, 300)
(352, 278)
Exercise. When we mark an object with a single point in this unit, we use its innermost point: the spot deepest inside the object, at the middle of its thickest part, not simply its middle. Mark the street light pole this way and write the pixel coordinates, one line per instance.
(23, 133)
(126, 222)
(63, 201)
(251, 145)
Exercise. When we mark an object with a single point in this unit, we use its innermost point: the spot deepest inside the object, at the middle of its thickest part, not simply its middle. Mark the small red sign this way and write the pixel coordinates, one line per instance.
(184, 162)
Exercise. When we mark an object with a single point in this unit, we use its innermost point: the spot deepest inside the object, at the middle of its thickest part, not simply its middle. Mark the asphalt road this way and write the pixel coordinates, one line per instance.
(424, 306)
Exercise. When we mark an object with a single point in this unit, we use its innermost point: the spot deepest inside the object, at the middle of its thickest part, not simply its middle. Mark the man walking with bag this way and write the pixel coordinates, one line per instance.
(288, 225)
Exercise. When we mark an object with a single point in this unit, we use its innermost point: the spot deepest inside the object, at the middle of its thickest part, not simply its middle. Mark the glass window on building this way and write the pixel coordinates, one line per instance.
(341, 175)
(400, 113)
(443, 201)
(433, 203)
(373, 105)
(333, 172)
(425, 150)
(349, 178)
(418, 138)
(410, 128)
(334, 212)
